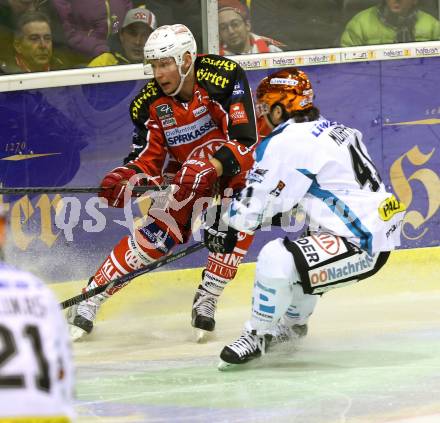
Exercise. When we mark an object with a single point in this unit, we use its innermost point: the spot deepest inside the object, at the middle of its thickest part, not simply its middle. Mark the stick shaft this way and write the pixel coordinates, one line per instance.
(69, 190)
(129, 276)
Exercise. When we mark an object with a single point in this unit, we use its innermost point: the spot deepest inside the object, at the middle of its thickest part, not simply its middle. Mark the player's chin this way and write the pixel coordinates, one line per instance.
(168, 88)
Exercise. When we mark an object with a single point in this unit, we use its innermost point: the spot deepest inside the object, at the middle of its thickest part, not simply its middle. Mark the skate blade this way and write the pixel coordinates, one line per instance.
(223, 366)
(76, 333)
(255, 363)
(202, 336)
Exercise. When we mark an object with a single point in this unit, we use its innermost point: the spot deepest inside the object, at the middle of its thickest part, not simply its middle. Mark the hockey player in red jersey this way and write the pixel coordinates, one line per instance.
(199, 111)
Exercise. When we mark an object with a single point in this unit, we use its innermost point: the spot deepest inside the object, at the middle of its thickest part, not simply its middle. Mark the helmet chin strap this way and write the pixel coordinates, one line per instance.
(269, 118)
(182, 79)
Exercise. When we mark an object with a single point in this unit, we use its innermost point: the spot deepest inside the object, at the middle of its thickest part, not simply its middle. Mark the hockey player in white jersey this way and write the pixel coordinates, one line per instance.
(324, 169)
(36, 374)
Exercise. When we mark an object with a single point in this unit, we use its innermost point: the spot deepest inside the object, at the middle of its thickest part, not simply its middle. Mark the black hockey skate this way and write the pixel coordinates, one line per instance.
(246, 348)
(203, 311)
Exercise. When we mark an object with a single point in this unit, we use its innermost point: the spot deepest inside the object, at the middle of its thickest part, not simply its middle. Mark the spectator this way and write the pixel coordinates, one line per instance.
(33, 45)
(127, 46)
(186, 12)
(390, 21)
(88, 24)
(300, 24)
(235, 31)
(10, 10)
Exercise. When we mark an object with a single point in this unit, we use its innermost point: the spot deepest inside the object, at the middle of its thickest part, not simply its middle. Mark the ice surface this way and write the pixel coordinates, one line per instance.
(372, 354)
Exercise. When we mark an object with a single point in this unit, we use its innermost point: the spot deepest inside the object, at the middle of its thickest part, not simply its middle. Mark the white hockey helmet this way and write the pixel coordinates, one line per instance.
(170, 41)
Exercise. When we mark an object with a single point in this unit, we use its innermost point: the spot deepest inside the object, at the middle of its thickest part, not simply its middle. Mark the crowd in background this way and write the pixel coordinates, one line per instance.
(42, 35)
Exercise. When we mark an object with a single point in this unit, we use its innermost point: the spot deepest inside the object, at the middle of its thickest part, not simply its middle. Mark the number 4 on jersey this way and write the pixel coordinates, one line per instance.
(364, 169)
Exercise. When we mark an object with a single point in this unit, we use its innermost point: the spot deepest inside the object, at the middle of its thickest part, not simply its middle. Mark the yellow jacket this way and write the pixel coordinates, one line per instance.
(108, 59)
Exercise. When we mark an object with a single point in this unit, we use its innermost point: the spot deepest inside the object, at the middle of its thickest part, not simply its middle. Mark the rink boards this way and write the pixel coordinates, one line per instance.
(72, 135)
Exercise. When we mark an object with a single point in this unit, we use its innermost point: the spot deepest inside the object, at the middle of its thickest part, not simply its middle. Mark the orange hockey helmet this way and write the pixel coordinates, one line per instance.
(289, 87)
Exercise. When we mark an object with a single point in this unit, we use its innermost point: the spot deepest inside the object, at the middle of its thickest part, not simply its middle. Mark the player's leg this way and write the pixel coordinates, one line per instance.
(289, 275)
(219, 271)
(324, 262)
(131, 253)
(272, 293)
(293, 325)
(166, 227)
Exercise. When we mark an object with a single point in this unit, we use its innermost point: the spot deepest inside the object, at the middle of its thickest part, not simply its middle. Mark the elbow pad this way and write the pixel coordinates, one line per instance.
(235, 158)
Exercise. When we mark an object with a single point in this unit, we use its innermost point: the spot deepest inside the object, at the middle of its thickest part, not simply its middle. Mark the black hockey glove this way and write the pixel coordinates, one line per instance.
(218, 241)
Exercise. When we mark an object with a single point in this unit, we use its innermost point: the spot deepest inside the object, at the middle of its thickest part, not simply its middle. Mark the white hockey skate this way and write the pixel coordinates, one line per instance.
(81, 316)
(203, 311)
(287, 334)
(246, 348)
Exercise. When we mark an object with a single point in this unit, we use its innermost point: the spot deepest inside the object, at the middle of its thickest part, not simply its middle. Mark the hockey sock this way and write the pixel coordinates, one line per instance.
(222, 268)
(125, 257)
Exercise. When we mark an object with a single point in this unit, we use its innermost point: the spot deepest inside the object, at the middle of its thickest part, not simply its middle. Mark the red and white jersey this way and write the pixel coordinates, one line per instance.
(221, 109)
(36, 371)
(324, 168)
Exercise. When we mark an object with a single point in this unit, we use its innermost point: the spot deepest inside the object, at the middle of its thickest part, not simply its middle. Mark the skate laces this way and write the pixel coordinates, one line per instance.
(205, 304)
(248, 343)
(88, 309)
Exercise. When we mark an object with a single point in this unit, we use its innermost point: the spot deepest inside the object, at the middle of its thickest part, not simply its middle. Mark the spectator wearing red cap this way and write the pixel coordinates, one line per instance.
(127, 46)
(235, 31)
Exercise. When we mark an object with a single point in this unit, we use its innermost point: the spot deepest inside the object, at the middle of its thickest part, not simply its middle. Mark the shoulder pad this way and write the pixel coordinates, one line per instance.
(216, 74)
(139, 107)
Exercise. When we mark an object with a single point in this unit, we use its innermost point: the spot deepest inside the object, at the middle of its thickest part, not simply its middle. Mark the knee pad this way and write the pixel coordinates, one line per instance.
(138, 252)
(153, 240)
(276, 263)
(125, 257)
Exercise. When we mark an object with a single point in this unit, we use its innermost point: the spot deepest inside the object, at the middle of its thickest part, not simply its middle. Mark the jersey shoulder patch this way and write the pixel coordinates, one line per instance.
(217, 74)
(139, 107)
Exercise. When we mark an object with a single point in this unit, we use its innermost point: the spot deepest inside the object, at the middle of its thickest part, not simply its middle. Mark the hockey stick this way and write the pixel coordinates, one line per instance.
(129, 276)
(71, 190)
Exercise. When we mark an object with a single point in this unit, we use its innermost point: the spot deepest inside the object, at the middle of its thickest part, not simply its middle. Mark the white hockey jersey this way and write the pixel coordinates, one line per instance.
(36, 373)
(324, 168)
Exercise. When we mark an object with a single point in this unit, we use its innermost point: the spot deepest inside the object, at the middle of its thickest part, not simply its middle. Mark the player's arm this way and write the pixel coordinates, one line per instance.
(139, 114)
(272, 187)
(152, 157)
(138, 143)
(278, 192)
(147, 166)
(236, 155)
